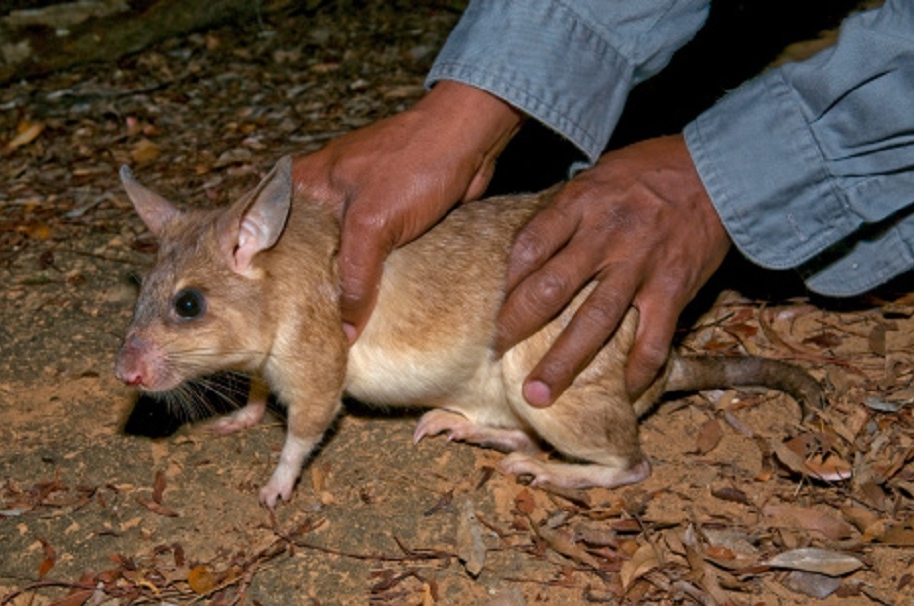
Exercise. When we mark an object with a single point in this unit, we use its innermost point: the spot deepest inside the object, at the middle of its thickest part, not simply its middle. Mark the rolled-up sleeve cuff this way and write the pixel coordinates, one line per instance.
(765, 174)
(520, 53)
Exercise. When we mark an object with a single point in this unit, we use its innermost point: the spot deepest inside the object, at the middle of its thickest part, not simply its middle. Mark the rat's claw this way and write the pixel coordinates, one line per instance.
(271, 495)
(438, 421)
(461, 429)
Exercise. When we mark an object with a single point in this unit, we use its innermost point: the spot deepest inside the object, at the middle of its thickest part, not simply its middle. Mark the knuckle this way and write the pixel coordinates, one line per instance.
(560, 370)
(366, 220)
(601, 316)
(605, 306)
(550, 290)
(654, 355)
(529, 247)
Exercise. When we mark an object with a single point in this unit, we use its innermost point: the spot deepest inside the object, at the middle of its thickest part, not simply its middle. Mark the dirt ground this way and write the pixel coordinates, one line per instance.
(106, 499)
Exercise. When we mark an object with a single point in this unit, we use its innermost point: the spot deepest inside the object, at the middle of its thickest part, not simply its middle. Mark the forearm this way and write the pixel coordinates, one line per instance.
(819, 154)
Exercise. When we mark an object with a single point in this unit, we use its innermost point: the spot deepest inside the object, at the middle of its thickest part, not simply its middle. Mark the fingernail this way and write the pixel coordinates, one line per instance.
(351, 332)
(537, 394)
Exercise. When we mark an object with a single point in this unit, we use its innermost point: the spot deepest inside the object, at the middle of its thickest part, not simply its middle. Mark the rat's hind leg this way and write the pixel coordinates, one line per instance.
(249, 415)
(460, 428)
(596, 428)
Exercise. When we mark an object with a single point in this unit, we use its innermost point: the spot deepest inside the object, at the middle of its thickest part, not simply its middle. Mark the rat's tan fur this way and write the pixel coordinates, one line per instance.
(266, 267)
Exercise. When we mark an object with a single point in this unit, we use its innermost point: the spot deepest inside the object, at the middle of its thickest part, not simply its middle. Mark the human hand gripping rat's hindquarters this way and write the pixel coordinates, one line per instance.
(393, 180)
(640, 224)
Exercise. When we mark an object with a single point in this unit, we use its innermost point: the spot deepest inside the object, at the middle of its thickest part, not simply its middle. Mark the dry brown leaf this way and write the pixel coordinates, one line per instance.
(813, 520)
(876, 340)
(814, 585)
(201, 579)
(643, 561)
(563, 542)
(737, 424)
(50, 558)
(157, 508)
(826, 467)
(824, 340)
(525, 502)
(732, 494)
(812, 559)
(38, 231)
(861, 517)
(626, 525)
(701, 570)
(158, 487)
(598, 536)
(708, 436)
(428, 598)
(719, 552)
(471, 549)
(78, 597)
(26, 132)
(899, 534)
(178, 552)
(742, 330)
(792, 460)
(145, 151)
(629, 547)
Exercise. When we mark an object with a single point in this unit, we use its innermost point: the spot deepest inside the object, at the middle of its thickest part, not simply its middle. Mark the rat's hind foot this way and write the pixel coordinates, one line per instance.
(461, 429)
(574, 475)
(243, 418)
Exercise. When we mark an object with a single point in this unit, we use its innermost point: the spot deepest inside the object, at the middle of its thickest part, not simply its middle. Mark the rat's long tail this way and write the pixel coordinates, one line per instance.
(693, 373)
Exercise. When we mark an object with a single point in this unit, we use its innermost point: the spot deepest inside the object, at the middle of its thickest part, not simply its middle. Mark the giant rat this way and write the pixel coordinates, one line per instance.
(252, 287)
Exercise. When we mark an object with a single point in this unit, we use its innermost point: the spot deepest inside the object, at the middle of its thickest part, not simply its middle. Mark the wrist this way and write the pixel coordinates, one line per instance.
(482, 120)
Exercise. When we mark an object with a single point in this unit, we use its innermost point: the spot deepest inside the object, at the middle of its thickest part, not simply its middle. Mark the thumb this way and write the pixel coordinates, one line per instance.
(360, 262)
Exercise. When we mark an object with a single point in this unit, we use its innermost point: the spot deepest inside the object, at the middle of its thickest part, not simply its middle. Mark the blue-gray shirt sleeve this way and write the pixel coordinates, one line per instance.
(569, 64)
(811, 165)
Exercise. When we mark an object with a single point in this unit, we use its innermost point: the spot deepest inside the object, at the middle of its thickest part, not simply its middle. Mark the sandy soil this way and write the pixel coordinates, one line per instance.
(108, 500)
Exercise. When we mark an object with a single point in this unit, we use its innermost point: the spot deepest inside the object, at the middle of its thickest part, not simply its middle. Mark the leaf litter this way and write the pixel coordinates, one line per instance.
(747, 504)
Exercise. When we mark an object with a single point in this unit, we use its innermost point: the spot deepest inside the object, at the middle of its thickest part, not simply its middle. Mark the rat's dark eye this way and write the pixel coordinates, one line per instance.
(189, 303)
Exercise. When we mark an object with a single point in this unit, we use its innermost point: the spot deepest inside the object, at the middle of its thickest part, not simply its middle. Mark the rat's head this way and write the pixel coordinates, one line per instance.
(200, 309)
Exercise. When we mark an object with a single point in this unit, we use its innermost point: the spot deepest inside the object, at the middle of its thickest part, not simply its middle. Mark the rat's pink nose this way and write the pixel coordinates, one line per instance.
(129, 366)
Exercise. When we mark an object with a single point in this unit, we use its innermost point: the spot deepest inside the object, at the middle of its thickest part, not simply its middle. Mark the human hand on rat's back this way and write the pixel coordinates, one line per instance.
(641, 224)
(393, 180)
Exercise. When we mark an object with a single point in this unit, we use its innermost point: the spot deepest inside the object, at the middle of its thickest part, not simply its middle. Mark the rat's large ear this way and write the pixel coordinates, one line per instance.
(256, 221)
(154, 210)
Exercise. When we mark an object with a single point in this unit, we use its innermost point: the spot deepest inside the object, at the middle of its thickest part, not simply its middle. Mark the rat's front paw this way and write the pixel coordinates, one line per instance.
(270, 495)
(286, 473)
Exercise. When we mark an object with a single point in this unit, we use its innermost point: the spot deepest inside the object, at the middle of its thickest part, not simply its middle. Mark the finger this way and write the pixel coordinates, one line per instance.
(590, 327)
(544, 235)
(653, 340)
(544, 294)
(536, 287)
(363, 248)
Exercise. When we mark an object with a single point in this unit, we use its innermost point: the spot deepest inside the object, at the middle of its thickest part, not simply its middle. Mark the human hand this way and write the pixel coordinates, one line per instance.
(641, 225)
(391, 181)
